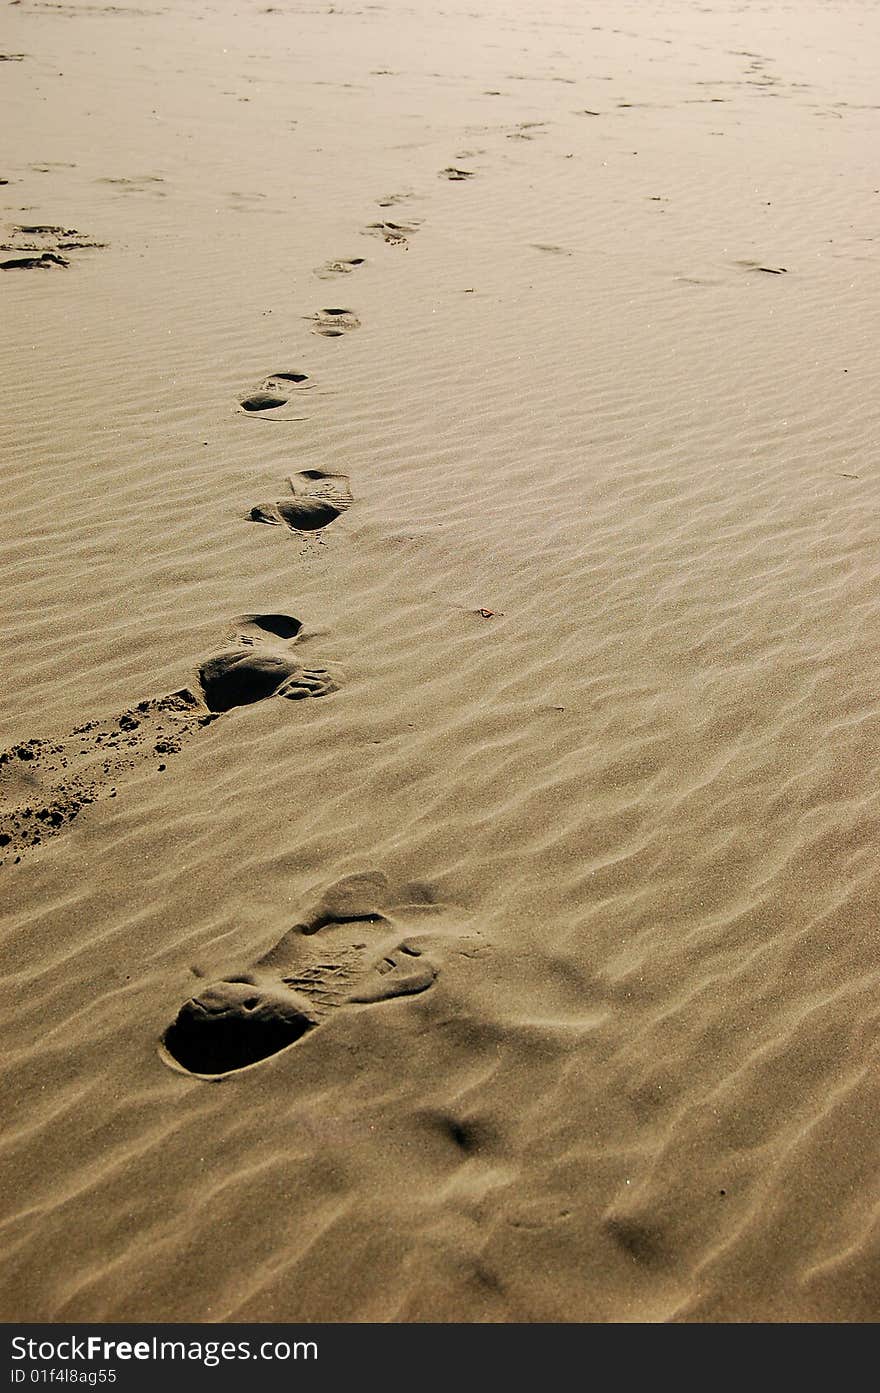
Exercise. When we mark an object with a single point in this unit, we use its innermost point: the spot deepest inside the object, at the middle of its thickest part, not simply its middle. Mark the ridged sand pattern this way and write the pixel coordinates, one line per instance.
(539, 957)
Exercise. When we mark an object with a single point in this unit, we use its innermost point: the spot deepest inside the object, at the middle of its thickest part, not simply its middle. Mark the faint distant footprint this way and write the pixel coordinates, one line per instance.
(141, 183)
(527, 130)
(456, 175)
(360, 945)
(333, 323)
(276, 390)
(394, 233)
(317, 498)
(343, 267)
(760, 266)
(46, 783)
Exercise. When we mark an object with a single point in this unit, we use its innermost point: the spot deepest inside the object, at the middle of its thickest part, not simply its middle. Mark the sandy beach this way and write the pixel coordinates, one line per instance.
(441, 721)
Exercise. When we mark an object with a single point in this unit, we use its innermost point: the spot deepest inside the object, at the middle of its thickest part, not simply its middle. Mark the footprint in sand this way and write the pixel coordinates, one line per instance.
(391, 200)
(343, 267)
(760, 266)
(394, 233)
(257, 664)
(362, 944)
(141, 183)
(45, 261)
(316, 499)
(40, 246)
(527, 130)
(333, 323)
(456, 175)
(46, 783)
(276, 390)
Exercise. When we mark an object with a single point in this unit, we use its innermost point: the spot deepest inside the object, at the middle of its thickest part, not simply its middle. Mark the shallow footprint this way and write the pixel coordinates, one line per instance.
(456, 175)
(394, 233)
(40, 246)
(44, 261)
(333, 323)
(343, 267)
(317, 498)
(348, 952)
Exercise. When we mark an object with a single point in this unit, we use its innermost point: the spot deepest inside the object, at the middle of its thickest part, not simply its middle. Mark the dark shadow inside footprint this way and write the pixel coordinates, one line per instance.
(274, 391)
(236, 1023)
(263, 401)
(342, 267)
(334, 321)
(281, 625)
(300, 514)
(344, 953)
(46, 783)
(242, 676)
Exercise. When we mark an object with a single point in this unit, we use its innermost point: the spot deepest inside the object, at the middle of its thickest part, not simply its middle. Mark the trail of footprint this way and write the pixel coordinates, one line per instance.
(317, 498)
(276, 390)
(394, 233)
(333, 323)
(349, 951)
(46, 783)
(343, 267)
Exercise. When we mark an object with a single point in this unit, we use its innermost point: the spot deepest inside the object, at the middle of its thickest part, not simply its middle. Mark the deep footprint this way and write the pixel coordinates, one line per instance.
(276, 390)
(46, 783)
(333, 323)
(257, 664)
(317, 498)
(347, 952)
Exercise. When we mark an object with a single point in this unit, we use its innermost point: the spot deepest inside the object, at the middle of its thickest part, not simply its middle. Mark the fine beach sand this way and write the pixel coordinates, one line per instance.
(556, 333)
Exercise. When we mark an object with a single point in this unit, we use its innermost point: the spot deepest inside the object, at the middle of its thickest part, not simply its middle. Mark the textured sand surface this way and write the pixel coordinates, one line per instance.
(547, 340)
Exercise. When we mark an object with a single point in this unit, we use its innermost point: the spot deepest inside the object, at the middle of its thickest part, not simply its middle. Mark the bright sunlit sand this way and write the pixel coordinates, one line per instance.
(441, 725)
